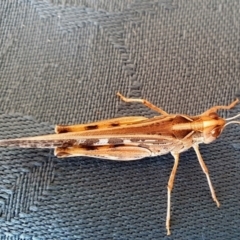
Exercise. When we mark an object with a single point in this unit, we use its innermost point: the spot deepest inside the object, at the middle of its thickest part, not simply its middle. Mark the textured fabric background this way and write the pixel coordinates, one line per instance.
(62, 62)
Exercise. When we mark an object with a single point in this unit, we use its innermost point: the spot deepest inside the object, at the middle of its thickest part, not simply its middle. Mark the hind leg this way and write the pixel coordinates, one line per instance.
(118, 152)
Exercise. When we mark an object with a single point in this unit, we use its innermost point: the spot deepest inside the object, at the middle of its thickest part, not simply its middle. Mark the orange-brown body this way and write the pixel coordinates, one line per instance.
(131, 138)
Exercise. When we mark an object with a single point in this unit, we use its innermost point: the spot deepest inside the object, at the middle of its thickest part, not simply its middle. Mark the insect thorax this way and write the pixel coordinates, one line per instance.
(197, 138)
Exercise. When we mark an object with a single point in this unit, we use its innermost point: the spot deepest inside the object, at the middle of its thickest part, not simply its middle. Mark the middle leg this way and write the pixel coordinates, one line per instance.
(170, 187)
(145, 102)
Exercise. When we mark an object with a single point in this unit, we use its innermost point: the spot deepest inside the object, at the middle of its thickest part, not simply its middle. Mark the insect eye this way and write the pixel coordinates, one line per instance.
(216, 131)
(214, 116)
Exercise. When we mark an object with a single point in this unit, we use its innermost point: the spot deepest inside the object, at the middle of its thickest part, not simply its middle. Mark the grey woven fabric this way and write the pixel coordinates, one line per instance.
(62, 62)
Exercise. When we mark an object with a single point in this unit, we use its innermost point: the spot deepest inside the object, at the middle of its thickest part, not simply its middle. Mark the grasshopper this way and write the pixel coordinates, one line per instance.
(136, 137)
